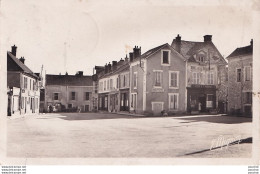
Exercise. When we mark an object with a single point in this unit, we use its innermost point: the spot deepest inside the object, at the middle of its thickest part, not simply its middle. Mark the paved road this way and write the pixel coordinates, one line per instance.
(80, 135)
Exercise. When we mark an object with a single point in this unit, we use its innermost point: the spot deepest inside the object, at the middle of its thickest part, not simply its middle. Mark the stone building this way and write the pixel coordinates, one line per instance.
(205, 75)
(113, 86)
(68, 92)
(23, 86)
(157, 81)
(240, 64)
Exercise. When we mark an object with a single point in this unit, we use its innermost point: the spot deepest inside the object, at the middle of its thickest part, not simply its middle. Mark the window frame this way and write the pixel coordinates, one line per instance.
(135, 80)
(209, 79)
(54, 96)
(169, 57)
(197, 77)
(155, 76)
(170, 79)
(245, 73)
(237, 74)
(169, 101)
(87, 98)
(72, 95)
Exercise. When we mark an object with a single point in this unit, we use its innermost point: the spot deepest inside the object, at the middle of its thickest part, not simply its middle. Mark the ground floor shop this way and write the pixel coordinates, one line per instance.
(201, 98)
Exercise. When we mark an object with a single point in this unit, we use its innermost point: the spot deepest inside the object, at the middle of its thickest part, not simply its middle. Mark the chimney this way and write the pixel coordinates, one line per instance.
(14, 48)
(126, 58)
(251, 43)
(106, 68)
(131, 56)
(120, 62)
(137, 52)
(79, 73)
(22, 59)
(114, 65)
(109, 67)
(207, 38)
(178, 43)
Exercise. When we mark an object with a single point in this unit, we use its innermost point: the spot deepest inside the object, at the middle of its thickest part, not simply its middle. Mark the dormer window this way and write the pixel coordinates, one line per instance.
(201, 58)
(165, 57)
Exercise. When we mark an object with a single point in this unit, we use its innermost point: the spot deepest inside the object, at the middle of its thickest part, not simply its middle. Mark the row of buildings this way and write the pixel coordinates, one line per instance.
(185, 76)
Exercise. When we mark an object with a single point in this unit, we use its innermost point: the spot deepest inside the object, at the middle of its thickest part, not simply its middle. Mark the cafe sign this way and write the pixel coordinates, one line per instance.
(203, 86)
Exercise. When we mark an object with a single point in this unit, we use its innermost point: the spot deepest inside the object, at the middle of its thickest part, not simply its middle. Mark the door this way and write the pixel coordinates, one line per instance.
(157, 107)
(202, 100)
(86, 108)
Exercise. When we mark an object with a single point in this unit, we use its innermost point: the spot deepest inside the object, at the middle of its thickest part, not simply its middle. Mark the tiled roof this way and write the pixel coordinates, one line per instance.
(242, 51)
(23, 67)
(122, 68)
(69, 80)
(152, 51)
(189, 48)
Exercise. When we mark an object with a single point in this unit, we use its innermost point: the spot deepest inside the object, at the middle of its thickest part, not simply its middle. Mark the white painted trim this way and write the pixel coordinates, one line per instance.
(249, 74)
(135, 87)
(132, 100)
(157, 70)
(171, 87)
(144, 85)
(158, 102)
(169, 57)
(172, 94)
(161, 78)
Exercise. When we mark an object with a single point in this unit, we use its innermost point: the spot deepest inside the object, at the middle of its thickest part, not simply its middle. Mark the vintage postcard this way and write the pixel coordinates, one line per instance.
(129, 82)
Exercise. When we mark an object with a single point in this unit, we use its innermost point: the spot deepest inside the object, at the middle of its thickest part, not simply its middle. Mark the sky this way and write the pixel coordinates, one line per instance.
(75, 35)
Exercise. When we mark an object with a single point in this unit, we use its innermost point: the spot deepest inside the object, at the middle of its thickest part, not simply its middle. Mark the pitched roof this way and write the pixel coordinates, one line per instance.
(242, 51)
(189, 48)
(122, 68)
(69, 80)
(152, 51)
(22, 67)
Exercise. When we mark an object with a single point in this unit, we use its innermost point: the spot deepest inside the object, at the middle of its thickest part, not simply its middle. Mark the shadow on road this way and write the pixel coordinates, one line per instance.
(217, 119)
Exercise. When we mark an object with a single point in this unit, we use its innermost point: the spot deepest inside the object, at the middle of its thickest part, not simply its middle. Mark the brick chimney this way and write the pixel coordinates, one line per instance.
(137, 52)
(114, 65)
(207, 38)
(79, 73)
(106, 69)
(14, 49)
(131, 56)
(22, 60)
(121, 62)
(126, 58)
(178, 43)
(109, 67)
(251, 43)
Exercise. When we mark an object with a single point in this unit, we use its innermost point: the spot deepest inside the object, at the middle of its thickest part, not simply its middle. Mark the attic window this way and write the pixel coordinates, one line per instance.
(201, 58)
(165, 57)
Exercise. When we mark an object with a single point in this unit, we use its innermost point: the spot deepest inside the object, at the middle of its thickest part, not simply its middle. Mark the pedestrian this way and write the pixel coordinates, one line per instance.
(199, 107)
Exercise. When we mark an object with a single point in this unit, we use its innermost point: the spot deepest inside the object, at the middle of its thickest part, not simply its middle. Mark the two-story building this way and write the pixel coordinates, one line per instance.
(113, 88)
(205, 75)
(23, 86)
(240, 64)
(68, 92)
(157, 81)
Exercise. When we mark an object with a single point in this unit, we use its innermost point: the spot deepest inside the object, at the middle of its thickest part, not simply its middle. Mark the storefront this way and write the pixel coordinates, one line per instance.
(103, 102)
(124, 100)
(201, 98)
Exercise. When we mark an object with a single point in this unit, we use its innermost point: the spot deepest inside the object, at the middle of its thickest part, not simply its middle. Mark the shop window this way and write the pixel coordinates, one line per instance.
(210, 101)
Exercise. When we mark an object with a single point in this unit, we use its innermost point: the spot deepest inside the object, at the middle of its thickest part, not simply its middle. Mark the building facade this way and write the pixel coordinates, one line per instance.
(68, 93)
(23, 86)
(240, 64)
(157, 82)
(113, 88)
(206, 81)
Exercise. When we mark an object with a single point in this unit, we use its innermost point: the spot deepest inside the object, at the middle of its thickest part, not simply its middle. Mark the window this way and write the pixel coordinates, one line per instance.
(157, 78)
(100, 86)
(248, 97)
(124, 81)
(22, 103)
(86, 95)
(174, 79)
(210, 78)
(173, 101)
(105, 85)
(108, 84)
(117, 82)
(69, 106)
(33, 83)
(135, 80)
(196, 78)
(106, 102)
(73, 95)
(25, 82)
(55, 96)
(134, 100)
(166, 57)
(209, 101)
(247, 73)
(201, 58)
(111, 83)
(238, 75)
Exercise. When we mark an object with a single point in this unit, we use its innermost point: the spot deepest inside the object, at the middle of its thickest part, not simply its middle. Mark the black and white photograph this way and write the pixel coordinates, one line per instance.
(129, 82)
